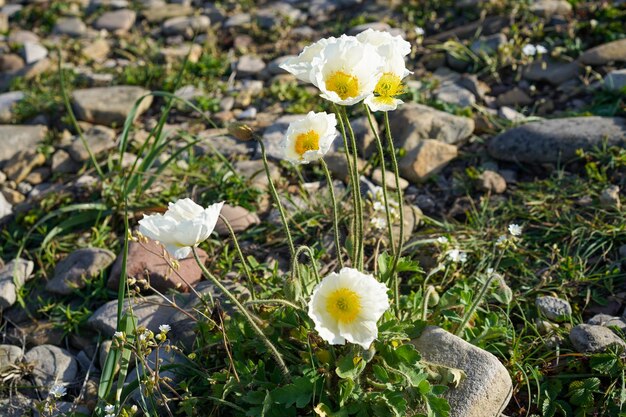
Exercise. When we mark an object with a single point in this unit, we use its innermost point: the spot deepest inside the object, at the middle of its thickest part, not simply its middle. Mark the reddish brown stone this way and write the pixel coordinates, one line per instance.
(145, 260)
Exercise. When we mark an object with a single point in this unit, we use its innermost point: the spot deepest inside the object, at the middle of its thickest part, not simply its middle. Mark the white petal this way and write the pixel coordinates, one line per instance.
(377, 104)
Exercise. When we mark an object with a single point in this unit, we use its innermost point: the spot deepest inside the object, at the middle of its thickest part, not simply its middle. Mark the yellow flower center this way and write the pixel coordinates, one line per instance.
(344, 305)
(345, 85)
(309, 141)
(389, 85)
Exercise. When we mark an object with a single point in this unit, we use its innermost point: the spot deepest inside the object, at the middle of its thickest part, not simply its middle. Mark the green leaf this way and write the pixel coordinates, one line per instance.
(581, 392)
(299, 392)
(437, 406)
(350, 366)
(407, 354)
(380, 373)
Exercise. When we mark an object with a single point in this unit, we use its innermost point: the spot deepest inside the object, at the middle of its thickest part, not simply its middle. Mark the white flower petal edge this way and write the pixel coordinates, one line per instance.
(378, 38)
(376, 103)
(185, 224)
(345, 306)
(323, 124)
(300, 66)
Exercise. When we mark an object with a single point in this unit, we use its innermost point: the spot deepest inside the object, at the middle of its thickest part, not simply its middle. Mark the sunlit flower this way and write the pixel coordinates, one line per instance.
(502, 240)
(419, 31)
(346, 70)
(58, 391)
(515, 229)
(378, 223)
(309, 139)
(346, 306)
(184, 224)
(541, 49)
(109, 409)
(389, 85)
(164, 328)
(442, 240)
(118, 335)
(456, 256)
(300, 66)
(532, 50)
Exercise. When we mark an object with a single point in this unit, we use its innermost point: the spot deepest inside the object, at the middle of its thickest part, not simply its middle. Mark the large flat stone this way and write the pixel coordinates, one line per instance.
(488, 387)
(605, 53)
(12, 278)
(555, 140)
(412, 122)
(52, 366)
(109, 105)
(426, 159)
(15, 138)
(78, 267)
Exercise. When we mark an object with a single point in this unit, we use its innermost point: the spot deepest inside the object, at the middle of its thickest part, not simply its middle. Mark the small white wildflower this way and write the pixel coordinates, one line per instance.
(118, 335)
(419, 31)
(515, 229)
(456, 255)
(379, 223)
(541, 49)
(501, 240)
(489, 271)
(143, 336)
(442, 240)
(529, 50)
(109, 415)
(378, 206)
(164, 328)
(109, 409)
(58, 391)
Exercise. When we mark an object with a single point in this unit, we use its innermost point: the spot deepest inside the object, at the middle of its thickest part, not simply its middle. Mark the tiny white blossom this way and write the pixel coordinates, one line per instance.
(501, 240)
(109, 409)
(164, 328)
(456, 255)
(142, 336)
(109, 415)
(58, 391)
(118, 335)
(515, 229)
(541, 49)
(379, 223)
(379, 206)
(529, 50)
(419, 31)
(442, 240)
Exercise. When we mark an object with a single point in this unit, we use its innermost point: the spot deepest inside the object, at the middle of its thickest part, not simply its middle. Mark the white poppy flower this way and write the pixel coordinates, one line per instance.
(346, 70)
(346, 306)
(392, 49)
(309, 139)
(184, 224)
(300, 66)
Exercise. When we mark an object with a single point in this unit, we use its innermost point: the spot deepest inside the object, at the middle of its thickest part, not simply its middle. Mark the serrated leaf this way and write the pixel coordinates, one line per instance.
(349, 367)
(299, 392)
(581, 392)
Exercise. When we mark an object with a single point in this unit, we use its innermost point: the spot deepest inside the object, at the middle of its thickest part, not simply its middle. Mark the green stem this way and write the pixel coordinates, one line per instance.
(357, 194)
(294, 263)
(292, 249)
(244, 264)
(427, 295)
(353, 184)
(379, 145)
(475, 304)
(333, 199)
(396, 172)
(274, 301)
(275, 353)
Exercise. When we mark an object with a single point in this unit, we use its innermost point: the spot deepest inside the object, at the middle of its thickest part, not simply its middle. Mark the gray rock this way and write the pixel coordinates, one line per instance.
(426, 159)
(607, 320)
(492, 182)
(365, 138)
(338, 166)
(549, 141)
(249, 65)
(7, 102)
(380, 26)
(62, 162)
(238, 20)
(16, 405)
(488, 387)
(609, 198)
(548, 8)
(11, 63)
(159, 12)
(554, 308)
(589, 338)
(82, 264)
(249, 113)
(510, 114)
(216, 140)
(70, 26)
(273, 135)
(390, 179)
(20, 37)
(412, 122)
(52, 366)
(615, 80)
(488, 44)
(99, 139)
(150, 311)
(603, 54)
(97, 50)
(514, 97)
(455, 94)
(117, 20)
(186, 26)
(274, 66)
(89, 105)
(16, 138)
(554, 72)
(9, 354)
(254, 172)
(238, 217)
(12, 278)
(275, 14)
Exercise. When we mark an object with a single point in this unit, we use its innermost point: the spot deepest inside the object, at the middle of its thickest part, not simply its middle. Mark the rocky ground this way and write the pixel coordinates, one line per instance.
(514, 114)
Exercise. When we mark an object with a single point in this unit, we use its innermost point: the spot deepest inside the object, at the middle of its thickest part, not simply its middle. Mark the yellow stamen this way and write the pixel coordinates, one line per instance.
(344, 305)
(389, 85)
(309, 141)
(345, 85)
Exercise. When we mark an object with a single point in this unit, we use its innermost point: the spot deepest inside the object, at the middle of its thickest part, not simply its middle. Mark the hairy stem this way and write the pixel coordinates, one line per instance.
(275, 353)
(244, 264)
(333, 199)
